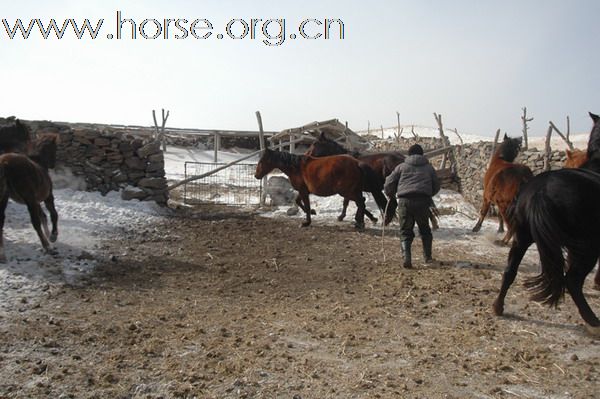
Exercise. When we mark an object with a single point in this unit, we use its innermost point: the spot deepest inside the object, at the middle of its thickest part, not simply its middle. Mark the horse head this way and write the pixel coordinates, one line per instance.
(575, 159)
(15, 138)
(44, 150)
(324, 146)
(594, 142)
(510, 147)
(265, 164)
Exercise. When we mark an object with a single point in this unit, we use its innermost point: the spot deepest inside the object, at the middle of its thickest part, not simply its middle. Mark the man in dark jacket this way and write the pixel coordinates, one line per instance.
(414, 182)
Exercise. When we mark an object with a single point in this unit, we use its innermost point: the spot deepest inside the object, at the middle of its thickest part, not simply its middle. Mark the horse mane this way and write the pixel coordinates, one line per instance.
(593, 150)
(287, 159)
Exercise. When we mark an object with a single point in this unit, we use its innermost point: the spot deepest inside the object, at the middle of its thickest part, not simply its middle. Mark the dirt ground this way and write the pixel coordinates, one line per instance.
(223, 304)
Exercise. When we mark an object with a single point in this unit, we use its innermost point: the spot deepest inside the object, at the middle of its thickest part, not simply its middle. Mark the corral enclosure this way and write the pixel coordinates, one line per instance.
(221, 302)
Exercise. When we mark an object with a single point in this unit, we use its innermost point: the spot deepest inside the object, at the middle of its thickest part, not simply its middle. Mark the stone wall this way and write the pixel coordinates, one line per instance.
(472, 160)
(110, 160)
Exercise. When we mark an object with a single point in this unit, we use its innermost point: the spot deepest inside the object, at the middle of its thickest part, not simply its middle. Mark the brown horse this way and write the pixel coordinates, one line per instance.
(25, 180)
(383, 163)
(339, 174)
(575, 159)
(502, 181)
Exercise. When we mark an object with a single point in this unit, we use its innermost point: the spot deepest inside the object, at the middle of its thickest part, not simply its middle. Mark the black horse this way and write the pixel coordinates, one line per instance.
(558, 211)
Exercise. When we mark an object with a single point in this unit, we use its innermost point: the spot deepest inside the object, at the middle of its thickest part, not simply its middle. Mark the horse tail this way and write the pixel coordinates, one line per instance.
(373, 183)
(525, 174)
(549, 286)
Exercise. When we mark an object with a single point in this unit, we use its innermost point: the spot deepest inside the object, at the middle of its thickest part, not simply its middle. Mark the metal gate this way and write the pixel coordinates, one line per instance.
(235, 185)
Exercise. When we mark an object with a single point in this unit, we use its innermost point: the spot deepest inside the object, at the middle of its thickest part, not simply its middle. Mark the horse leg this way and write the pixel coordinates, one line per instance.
(597, 278)
(301, 205)
(482, 214)
(370, 216)
(35, 211)
(517, 251)
(509, 233)
(3, 203)
(500, 225)
(49, 202)
(304, 198)
(434, 222)
(360, 213)
(44, 222)
(580, 264)
(344, 207)
(391, 210)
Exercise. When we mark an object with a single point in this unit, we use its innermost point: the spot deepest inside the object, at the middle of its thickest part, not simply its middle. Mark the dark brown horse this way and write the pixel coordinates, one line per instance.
(559, 211)
(340, 174)
(502, 181)
(15, 137)
(383, 163)
(25, 180)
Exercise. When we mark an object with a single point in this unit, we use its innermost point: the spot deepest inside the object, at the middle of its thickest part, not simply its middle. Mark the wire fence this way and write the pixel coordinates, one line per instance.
(235, 185)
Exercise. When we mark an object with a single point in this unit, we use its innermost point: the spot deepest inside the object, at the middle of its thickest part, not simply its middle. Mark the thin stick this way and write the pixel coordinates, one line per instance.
(383, 230)
(553, 126)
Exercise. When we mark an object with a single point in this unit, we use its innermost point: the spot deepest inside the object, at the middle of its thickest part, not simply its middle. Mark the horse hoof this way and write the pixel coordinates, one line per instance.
(593, 330)
(340, 218)
(476, 229)
(305, 224)
(359, 226)
(498, 308)
(53, 237)
(374, 220)
(51, 251)
(313, 212)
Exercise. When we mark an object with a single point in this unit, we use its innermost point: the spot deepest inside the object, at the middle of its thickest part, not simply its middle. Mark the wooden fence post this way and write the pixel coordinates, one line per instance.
(547, 149)
(494, 146)
(446, 141)
(261, 137)
(525, 120)
(569, 144)
(160, 135)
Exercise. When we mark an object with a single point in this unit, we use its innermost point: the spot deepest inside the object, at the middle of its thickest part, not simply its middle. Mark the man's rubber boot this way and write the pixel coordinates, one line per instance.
(407, 254)
(427, 244)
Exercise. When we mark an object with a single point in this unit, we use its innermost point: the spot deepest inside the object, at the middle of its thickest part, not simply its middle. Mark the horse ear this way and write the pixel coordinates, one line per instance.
(322, 136)
(505, 136)
(594, 117)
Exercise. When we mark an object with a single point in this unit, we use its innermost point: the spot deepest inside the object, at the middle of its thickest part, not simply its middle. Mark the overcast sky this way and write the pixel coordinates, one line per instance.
(475, 62)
